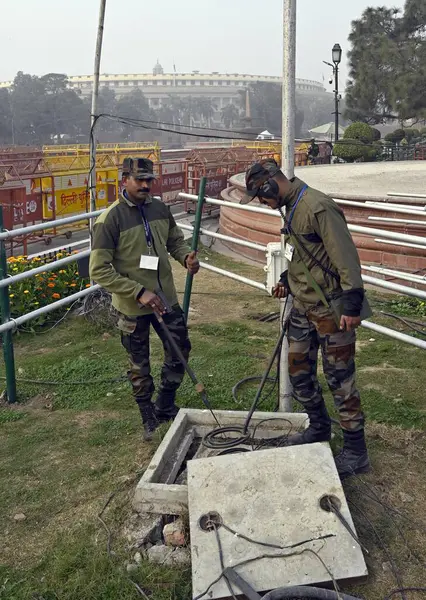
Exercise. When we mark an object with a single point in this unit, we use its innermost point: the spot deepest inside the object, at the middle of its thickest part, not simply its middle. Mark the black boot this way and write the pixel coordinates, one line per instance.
(165, 408)
(353, 459)
(150, 422)
(319, 429)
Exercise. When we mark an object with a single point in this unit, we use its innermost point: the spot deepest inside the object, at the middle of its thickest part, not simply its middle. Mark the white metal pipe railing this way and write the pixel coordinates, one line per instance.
(395, 274)
(56, 264)
(59, 248)
(397, 335)
(377, 206)
(395, 209)
(417, 207)
(6, 235)
(402, 221)
(395, 287)
(391, 235)
(240, 278)
(225, 238)
(401, 195)
(247, 208)
(382, 241)
(14, 323)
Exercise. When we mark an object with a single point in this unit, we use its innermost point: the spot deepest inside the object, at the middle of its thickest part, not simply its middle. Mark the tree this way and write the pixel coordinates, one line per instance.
(134, 105)
(6, 125)
(387, 77)
(266, 108)
(357, 143)
(230, 115)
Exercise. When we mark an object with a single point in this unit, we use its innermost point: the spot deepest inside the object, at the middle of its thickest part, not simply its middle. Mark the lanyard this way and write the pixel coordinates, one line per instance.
(290, 218)
(147, 228)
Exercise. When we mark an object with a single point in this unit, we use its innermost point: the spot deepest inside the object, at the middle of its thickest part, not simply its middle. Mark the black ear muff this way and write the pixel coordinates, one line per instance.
(269, 190)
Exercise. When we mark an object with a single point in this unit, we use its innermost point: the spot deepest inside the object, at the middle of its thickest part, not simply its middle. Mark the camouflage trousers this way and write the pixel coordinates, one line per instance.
(307, 333)
(135, 339)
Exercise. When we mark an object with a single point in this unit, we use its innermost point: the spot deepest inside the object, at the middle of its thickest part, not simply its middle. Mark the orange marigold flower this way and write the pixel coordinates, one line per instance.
(56, 295)
(51, 285)
(73, 284)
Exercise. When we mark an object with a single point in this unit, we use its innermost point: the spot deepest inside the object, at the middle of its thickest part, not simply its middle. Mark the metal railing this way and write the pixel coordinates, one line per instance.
(9, 325)
(372, 280)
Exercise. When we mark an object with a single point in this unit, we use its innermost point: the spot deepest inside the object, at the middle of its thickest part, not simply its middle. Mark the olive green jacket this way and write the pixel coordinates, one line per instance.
(119, 241)
(320, 226)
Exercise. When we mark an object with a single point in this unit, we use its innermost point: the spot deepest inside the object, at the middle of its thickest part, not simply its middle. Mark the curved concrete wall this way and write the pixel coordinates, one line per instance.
(264, 229)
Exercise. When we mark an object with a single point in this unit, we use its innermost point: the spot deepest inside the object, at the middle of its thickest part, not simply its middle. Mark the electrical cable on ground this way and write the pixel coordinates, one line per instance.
(405, 321)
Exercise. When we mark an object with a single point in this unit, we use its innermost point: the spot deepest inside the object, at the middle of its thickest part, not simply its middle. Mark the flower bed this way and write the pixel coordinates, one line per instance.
(45, 288)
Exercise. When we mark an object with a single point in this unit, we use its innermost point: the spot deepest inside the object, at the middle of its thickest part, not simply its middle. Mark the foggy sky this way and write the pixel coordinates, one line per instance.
(234, 36)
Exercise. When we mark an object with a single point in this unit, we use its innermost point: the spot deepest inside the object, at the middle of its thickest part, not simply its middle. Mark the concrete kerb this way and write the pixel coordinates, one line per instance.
(156, 491)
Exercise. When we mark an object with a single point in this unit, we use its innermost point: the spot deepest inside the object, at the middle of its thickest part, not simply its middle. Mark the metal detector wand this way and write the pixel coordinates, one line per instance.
(199, 387)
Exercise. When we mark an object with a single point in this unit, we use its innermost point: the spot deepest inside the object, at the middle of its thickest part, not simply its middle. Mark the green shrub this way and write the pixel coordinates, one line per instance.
(376, 134)
(411, 133)
(396, 136)
(359, 131)
(351, 150)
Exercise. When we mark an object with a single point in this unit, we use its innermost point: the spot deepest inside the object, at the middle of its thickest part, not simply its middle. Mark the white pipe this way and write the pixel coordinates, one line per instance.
(357, 228)
(288, 120)
(376, 206)
(399, 244)
(59, 248)
(404, 221)
(14, 323)
(56, 264)
(391, 235)
(225, 238)
(396, 274)
(401, 195)
(417, 207)
(240, 278)
(395, 287)
(6, 235)
(94, 111)
(397, 335)
(395, 209)
(255, 209)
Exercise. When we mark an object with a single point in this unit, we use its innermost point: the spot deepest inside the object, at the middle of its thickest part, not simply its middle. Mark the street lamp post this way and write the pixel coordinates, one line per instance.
(336, 55)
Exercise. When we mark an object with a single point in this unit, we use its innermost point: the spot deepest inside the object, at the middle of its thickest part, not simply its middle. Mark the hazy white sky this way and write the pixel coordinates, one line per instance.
(235, 36)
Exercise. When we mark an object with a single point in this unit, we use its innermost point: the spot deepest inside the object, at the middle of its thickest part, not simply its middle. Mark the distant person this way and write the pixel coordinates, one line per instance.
(324, 277)
(313, 152)
(328, 151)
(132, 240)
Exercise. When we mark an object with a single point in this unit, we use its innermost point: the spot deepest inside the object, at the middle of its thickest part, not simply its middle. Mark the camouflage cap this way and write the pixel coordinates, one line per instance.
(256, 175)
(140, 168)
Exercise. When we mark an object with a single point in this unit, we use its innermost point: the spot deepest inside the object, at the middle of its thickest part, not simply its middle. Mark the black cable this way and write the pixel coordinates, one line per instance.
(403, 590)
(405, 321)
(222, 562)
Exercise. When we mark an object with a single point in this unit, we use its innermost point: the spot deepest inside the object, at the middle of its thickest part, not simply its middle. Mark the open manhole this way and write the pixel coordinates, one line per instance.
(210, 521)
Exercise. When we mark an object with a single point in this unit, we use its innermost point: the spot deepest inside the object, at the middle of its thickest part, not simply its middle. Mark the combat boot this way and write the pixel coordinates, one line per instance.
(165, 409)
(149, 420)
(319, 429)
(353, 459)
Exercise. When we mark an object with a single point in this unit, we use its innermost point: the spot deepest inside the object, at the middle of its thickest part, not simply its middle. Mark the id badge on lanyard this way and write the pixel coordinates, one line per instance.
(149, 261)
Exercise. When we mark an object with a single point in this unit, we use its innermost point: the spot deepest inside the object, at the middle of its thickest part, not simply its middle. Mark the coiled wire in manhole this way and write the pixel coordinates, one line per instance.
(217, 440)
(210, 521)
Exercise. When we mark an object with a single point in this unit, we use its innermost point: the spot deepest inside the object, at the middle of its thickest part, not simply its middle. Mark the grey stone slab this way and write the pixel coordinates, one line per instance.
(271, 496)
(156, 492)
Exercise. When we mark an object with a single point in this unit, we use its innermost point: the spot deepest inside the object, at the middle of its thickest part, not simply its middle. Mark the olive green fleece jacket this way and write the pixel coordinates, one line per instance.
(119, 241)
(320, 225)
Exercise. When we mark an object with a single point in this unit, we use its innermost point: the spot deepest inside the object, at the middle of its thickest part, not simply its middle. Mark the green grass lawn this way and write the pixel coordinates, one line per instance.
(66, 447)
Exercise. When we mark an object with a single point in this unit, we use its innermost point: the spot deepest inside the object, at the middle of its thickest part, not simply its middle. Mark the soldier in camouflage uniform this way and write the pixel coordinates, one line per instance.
(132, 240)
(324, 277)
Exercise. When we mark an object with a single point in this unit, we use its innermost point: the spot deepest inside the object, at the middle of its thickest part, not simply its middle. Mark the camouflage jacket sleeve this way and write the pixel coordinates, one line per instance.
(330, 224)
(105, 240)
(176, 244)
